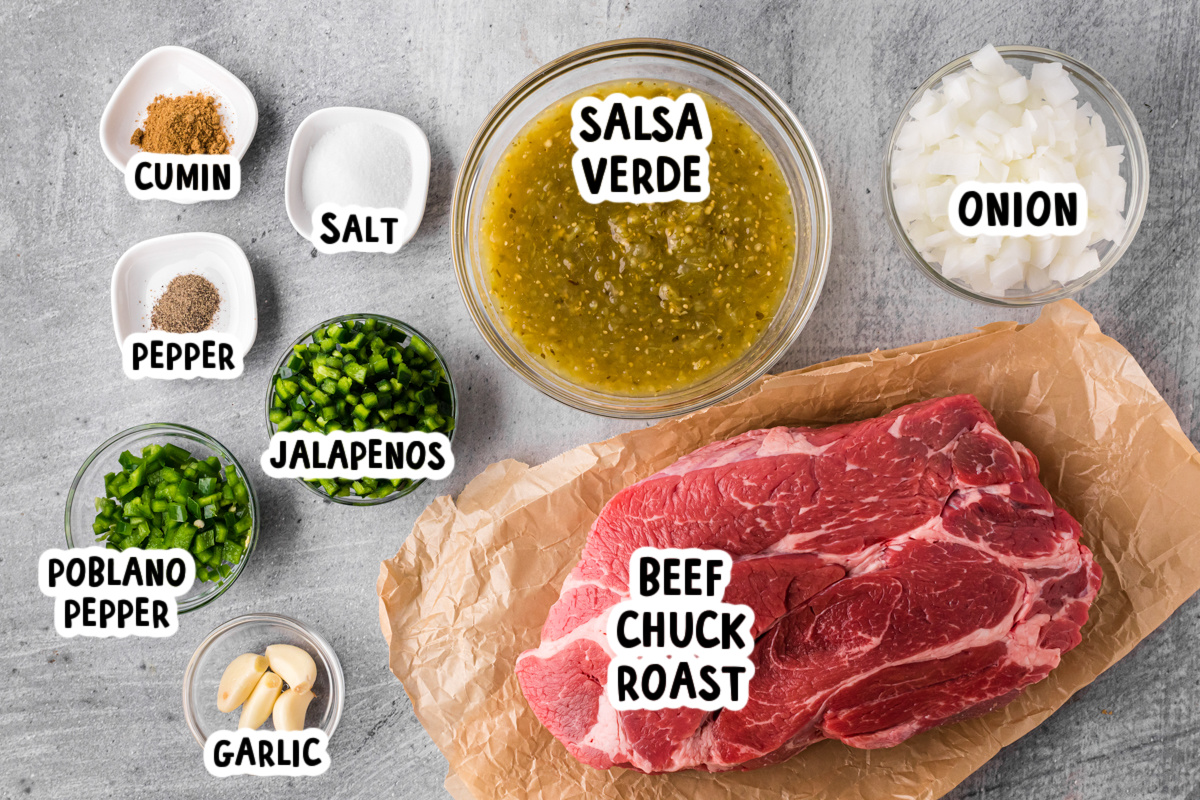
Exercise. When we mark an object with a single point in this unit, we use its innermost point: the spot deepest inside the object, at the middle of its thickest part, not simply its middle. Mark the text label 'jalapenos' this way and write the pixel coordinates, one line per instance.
(368, 454)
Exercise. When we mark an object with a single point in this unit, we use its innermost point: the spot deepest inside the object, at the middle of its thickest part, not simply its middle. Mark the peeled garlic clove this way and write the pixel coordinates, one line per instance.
(239, 679)
(262, 699)
(293, 664)
(290, 709)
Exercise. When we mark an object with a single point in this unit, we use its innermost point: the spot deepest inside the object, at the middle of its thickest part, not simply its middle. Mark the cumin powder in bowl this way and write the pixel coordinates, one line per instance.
(186, 125)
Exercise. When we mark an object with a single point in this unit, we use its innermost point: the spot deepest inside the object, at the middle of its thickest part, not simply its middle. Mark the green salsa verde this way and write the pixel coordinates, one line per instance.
(629, 299)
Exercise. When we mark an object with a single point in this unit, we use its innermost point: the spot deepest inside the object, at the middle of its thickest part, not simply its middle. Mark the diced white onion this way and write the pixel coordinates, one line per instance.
(989, 122)
(1014, 91)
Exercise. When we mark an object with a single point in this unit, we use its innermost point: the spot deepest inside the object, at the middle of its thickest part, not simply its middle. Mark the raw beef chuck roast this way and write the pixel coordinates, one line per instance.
(905, 572)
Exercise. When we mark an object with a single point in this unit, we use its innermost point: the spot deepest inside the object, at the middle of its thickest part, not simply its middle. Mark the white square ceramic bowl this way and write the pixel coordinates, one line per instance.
(145, 269)
(174, 70)
(321, 122)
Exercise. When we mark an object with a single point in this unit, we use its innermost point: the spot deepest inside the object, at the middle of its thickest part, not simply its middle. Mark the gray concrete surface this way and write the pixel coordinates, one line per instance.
(89, 718)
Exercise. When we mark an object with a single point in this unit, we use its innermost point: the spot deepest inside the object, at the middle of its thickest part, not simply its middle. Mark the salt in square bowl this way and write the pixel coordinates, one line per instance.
(319, 123)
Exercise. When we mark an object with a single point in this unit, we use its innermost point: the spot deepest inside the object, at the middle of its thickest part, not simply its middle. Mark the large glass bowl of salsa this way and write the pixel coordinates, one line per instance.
(641, 310)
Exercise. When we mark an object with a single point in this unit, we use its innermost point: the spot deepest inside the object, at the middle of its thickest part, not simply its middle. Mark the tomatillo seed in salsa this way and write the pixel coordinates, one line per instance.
(637, 300)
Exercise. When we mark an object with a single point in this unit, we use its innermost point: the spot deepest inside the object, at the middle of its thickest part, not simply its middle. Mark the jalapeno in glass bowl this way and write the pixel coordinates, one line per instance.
(360, 372)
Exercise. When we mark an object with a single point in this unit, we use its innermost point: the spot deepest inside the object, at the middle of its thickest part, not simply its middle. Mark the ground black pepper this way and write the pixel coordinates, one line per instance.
(187, 306)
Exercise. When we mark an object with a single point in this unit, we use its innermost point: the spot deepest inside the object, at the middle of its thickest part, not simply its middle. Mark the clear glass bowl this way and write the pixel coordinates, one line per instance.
(683, 64)
(305, 338)
(1122, 129)
(89, 484)
(253, 633)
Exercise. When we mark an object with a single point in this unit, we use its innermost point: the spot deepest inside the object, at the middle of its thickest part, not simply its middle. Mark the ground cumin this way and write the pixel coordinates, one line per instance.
(187, 125)
(187, 306)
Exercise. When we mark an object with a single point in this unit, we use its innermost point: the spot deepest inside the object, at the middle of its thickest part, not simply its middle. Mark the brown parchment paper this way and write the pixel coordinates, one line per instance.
(472, 585)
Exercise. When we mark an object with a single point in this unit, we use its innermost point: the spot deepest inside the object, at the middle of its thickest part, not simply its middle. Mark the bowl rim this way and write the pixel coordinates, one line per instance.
(808, 165)
(223, 585)
(1136, 152)
(337, 678)
(411, 331)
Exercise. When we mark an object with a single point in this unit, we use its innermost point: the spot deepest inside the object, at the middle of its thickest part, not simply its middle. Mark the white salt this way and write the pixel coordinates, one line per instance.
(361, 164)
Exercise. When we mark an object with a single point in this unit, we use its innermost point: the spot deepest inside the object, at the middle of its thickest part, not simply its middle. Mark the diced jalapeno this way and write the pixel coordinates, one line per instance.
(362, 376)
